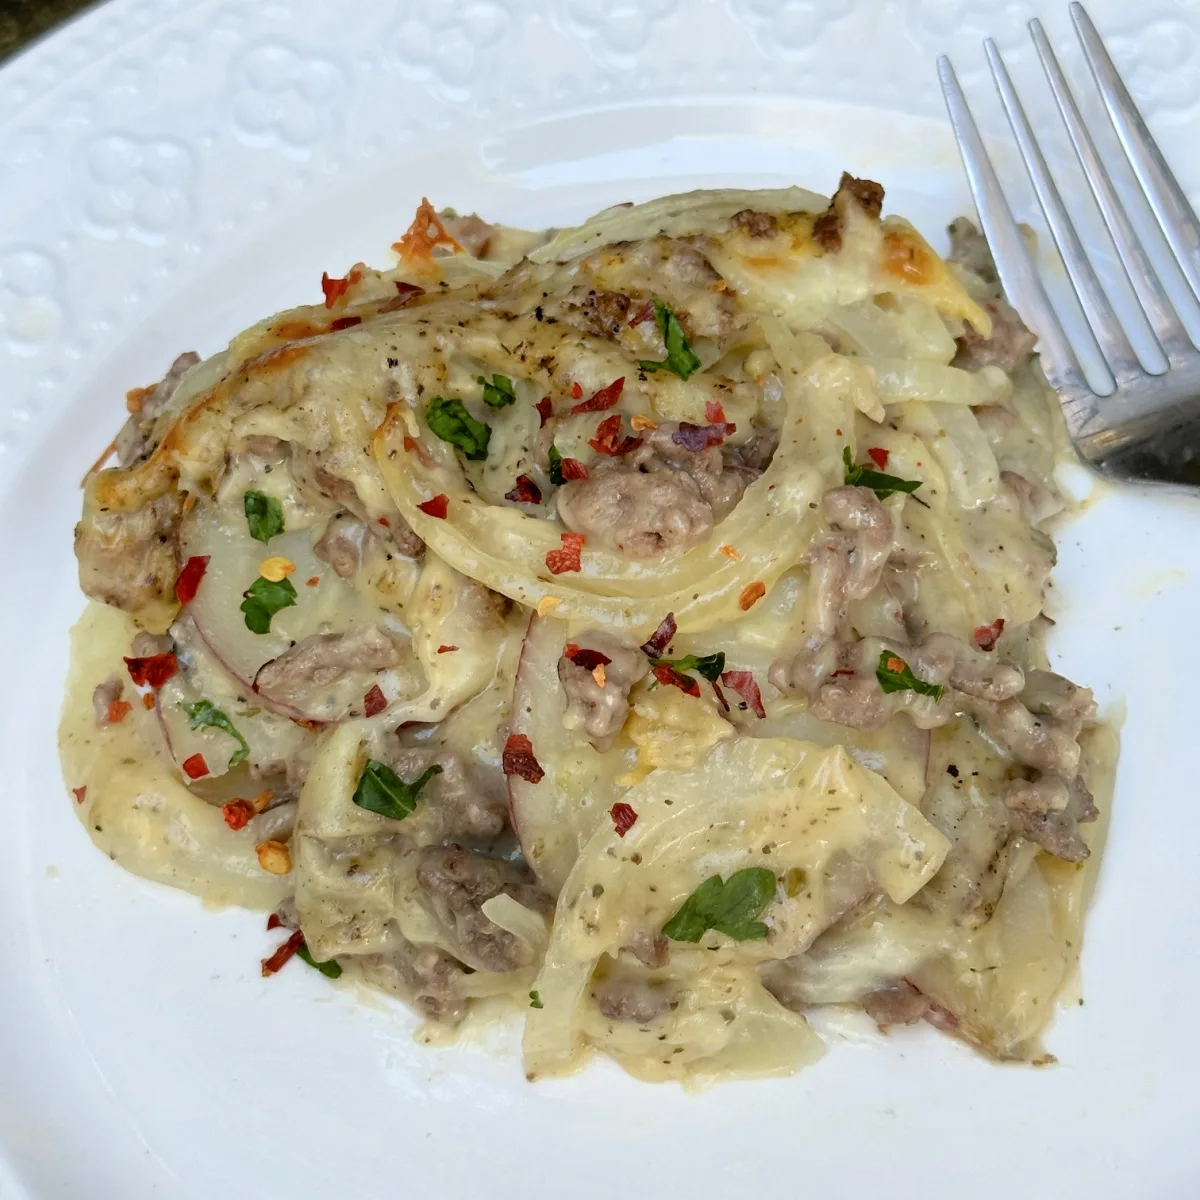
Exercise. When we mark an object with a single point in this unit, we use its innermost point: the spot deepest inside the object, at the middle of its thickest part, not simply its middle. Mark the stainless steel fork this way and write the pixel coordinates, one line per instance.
(1146, 425)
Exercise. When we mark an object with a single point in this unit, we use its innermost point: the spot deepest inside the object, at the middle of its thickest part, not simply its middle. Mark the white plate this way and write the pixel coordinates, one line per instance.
(171, 171)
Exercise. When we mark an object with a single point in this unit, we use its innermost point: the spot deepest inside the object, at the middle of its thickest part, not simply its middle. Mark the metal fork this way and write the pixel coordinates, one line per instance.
(1146, 425)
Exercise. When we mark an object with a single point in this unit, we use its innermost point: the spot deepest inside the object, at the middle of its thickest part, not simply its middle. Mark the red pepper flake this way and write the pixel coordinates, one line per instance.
(518, 759)
(412, 446)
(437, 506)
(878, 456)
(277, 960)
(80, 794)
(752, 593)
(118, 710)
(525, 491)
(333, 288)
(743, 683)
(544, 409)
(714, 413)
(188, 583)
(237, 814)
(425, 234)
(374, 701)
(311, 726)
(624, 818)
(660, 639)
(720, 695)
(446, 649)
(148, 701)
(312, 581)
(606, 397)
(152, 671)
(667, 675)
(589, 660)
(385, 522)
(643, 314)
(577, 390)
(842, 671)
(572, 468)
(566, 559)
(274, 922)
(136, 397)
(986, 636)
(195, 767)
(344, 323)
(607, 433)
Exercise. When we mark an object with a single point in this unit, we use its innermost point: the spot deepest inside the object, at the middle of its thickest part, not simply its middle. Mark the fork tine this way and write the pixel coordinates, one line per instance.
(1108, 337)
(1170, 205)
(1017, 273)
(1169, 330)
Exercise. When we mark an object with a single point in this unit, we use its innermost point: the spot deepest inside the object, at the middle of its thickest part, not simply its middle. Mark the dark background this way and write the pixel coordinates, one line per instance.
(23, 20)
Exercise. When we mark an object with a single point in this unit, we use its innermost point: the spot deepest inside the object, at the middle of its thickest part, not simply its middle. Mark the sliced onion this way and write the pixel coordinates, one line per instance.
(952, 432)
(506, 550)
(902, 379)
(773, 803)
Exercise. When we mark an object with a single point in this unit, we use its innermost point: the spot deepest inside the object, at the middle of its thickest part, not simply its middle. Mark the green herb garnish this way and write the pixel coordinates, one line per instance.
(263, 599)
(882, 485)
(264, 515)
(452, 423)
(535, 1001)
(709, 666)
(895, 675)
(204, 713)
(330, 969)
(556, 476)
(680, 360)
(499, 393)
(380, 790)
(731, 908)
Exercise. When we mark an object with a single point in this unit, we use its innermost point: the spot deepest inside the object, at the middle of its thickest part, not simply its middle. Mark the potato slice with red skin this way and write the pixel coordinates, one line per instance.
(555, 817)
(332, 605)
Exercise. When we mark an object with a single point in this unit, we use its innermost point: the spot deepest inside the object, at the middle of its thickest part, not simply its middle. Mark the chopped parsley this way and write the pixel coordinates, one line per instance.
(330, 969)
(499, 393)
(264, 515)
(731, 907)
(708, 666)
(380, 790)
(680, 359)
(882, 485)
(452, 423)
(535, 1001)
(204, 713)
(556, 473)
(263, 599)
(895, 675)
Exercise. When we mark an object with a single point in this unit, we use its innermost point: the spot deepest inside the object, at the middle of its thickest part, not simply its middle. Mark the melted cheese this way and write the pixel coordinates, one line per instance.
(135, 808)
(872, 843)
